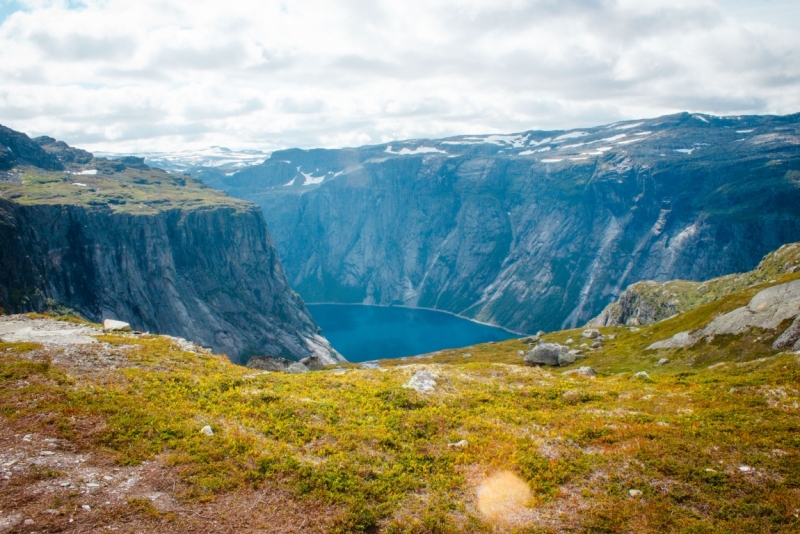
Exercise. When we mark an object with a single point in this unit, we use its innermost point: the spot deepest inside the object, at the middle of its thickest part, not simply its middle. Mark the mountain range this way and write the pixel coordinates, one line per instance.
(533, 230)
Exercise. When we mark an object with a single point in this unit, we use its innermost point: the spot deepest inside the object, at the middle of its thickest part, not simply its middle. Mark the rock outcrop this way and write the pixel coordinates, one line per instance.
(531, 230)
(161, 252)
(768, 310)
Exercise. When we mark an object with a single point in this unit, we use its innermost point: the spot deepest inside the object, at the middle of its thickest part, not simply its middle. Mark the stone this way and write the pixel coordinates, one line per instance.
(28, 522)
(586, 372)
(566, 358)
(681, 339)
(635, 493)
(468, 355)
(545, 354)
(458, 444)
(767, 310)
(642, 375)
(663, 361)
(540, 333)
(313, 363)
(296, 368)
(422, 382)
(207, 431)
(597, 345)
(530, 339)
(86, 507)
(569, 341)
(577, 353)
(111, 325)
(789, 337)
(591, 333)
(521, 353)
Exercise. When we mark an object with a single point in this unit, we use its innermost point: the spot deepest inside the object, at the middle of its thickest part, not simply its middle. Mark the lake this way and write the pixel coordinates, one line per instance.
(363, 333)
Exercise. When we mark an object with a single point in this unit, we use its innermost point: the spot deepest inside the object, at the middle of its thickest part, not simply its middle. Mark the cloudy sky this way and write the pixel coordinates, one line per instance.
(141, 75)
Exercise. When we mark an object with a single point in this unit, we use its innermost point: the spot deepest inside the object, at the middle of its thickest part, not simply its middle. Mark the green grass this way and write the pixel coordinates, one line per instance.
(136, 191)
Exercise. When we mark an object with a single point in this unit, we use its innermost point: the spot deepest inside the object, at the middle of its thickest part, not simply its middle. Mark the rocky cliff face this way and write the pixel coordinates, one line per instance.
(532, 230)
(159, 251)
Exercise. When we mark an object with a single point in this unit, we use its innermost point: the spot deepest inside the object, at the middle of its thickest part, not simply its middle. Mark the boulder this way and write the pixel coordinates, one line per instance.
(591, 333)
(586, 372)
(681, 339)
(110, 325)
(207, 431)
(566, 358)
(790, 336)
(279, 365)
(313, 363)
(545, 354)
(662, 361)
(530, 339)
(296, 368)
(577, 353)
(642, 375)
(767, 310)
(422, 382)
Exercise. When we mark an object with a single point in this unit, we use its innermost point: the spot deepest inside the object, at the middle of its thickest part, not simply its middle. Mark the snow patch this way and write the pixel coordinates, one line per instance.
(573, 146)
(614, 138)
(90, 172)
(700, 117)
(629, 141)
(418, 150)
(79, 184)
(628, 126)
(643, 133)
(290, 182)
(685, 150)
(744, 131)
(571, 135)
(545, 149)
(311, 180)
(551, 160)
(526, 152)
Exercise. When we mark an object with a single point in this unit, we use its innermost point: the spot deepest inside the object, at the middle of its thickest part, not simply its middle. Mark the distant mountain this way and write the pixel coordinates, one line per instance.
(535, 229)
(219, 158)
(118, 239)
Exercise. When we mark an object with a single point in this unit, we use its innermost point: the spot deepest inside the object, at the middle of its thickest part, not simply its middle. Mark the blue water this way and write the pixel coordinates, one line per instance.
(362, 333)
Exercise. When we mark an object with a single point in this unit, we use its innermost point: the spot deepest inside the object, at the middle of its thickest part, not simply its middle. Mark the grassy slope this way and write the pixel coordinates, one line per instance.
(681, 295)
(131, 190)
(378, 453)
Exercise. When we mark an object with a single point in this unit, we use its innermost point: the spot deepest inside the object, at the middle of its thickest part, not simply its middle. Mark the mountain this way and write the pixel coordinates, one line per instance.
(535, 230)
(220, 159)
(119, 239)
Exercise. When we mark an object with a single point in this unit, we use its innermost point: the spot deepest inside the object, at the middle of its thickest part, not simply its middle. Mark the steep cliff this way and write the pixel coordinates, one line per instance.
(532, 230)
(116, 239)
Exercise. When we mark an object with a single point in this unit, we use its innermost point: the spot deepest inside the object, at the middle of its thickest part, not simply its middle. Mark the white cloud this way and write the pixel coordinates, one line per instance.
(172, 74)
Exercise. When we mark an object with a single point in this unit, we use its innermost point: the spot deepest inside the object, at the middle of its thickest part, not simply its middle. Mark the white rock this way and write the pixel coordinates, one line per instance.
(570, 341)
(459, 444)
(663, 361)
(586, 372)
(745, 468)
(207, 430)
(634, 493)
(116, 326)
(468, 355)
(422, 381)
(86, 507)
(642, 375)
(591, 333)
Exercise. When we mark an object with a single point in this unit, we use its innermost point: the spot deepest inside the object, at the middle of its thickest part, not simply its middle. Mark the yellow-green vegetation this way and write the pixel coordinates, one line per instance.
(710, 450)
(676, 296)
(131, 190)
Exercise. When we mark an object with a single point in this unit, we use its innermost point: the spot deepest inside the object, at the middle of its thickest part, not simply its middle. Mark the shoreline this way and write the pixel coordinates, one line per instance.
(417, 308)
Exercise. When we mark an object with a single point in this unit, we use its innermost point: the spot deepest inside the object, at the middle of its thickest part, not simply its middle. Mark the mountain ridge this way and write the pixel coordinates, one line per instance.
(538, 230)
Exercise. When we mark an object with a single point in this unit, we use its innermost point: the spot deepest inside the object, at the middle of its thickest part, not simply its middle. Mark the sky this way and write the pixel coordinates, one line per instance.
(169, 75)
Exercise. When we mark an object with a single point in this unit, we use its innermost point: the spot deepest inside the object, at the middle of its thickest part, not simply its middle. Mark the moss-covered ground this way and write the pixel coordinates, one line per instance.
(133, 190)
(711, 448)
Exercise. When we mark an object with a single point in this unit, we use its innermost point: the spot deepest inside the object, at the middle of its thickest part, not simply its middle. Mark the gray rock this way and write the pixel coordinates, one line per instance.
(591, 333)
(112, 325)
(313, 363)
(530, 339)
(540, 333)
(767, 310)
(296, 368)
(597, 345)
(566, 358)
(545, 354)
(586, 372)
(577, 353)
(662, 361)
(207, 431)
(642, 375)
(789, 337)
(681, 339)
(422, 381)
(279, 365)
(467, 355)
(569, 341)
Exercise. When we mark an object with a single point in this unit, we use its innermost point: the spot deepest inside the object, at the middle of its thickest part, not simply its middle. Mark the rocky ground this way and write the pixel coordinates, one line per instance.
(49, 483)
